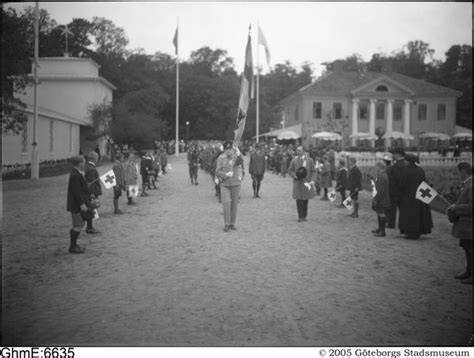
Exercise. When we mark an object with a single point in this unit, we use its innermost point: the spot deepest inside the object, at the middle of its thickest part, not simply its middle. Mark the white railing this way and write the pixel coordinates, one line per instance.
(438, 161)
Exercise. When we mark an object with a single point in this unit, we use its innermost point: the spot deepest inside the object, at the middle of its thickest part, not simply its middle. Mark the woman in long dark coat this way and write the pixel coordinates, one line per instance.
(415, 216)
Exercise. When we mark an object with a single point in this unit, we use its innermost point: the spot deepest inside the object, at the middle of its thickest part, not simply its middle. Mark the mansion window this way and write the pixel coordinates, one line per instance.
(317, 110)
(380, 110)
(337, 110)
(381, 88)
(24, 138)
(441, 112)
(363, 110)
(422, 112)
(397, 111)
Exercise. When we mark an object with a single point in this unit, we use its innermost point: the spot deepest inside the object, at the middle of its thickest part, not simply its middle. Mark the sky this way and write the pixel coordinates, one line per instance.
(313, 32)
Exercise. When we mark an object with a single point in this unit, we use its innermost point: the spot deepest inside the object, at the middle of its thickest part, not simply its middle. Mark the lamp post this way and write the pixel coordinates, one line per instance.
(187, 133)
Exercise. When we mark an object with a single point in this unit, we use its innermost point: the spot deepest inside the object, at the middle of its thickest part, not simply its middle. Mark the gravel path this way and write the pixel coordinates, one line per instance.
(165, 273)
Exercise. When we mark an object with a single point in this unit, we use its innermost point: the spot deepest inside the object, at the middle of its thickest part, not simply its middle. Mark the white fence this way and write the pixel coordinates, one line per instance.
(366, 159)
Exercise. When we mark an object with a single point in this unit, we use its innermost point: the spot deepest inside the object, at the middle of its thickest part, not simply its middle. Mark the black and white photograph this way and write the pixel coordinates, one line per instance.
(237, 174)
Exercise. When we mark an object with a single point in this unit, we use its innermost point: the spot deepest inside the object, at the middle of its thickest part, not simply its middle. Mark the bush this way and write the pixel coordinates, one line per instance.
(47, 168)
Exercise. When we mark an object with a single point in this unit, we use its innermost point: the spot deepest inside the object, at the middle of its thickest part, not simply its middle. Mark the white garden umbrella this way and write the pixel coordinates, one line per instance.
(465, 135)
(435, 135)
(327, 136)
(288, 135)
(398, 135)
(363, 136)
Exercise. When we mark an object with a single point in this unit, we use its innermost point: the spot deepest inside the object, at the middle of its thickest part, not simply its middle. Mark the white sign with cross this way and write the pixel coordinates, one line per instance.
(425, 193)
(108, 179)
(348, 203)
(332, 195)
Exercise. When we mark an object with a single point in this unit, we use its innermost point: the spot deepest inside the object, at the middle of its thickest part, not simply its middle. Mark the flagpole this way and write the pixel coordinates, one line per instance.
(258, 86)
(35, 159)
(177, 90)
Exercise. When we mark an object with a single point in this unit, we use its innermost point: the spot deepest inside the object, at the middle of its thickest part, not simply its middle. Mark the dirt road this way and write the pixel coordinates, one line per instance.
(165, 273)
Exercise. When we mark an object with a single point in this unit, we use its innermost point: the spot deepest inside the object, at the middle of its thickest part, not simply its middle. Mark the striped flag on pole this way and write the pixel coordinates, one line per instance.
(246, 88)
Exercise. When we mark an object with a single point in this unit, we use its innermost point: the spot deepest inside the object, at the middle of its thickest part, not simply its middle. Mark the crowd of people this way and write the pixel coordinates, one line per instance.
(313, 172)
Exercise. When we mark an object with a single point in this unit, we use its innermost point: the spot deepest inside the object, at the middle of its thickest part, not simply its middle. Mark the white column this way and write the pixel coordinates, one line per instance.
(372, 120)
(355, 111)
(406, 119)
(389, 128)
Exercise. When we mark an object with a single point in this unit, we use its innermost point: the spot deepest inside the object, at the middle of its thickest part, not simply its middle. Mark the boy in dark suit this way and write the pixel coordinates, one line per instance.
(77, 202)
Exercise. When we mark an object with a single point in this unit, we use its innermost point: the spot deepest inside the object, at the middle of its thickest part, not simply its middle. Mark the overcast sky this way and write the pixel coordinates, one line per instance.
(315, 32)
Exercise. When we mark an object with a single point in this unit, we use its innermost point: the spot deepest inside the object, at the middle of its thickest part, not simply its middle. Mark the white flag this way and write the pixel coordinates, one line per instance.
(425, 193)
(133, 190)
(374, 191)
(332, 195)
(263, 41)
(108, 179)
(348, 203)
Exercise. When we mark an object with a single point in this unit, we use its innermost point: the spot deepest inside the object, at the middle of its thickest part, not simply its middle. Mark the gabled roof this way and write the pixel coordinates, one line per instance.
(343, 83)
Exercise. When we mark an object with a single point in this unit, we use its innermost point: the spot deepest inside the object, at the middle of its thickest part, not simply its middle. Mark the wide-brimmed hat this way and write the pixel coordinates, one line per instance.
(301, 173)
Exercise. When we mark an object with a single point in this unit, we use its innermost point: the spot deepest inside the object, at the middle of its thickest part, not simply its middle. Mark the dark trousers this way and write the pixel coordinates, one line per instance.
(302, 207)
(343, 195)
(391, 213)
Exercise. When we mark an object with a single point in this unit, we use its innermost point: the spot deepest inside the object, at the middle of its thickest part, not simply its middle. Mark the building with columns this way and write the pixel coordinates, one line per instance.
(381, 107)
(67, 87)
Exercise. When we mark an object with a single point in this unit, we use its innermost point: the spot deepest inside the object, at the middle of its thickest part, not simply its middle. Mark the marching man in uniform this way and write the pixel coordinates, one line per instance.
(227, 169)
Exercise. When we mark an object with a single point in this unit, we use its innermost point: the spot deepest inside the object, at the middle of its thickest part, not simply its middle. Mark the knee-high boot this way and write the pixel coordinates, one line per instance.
(73, 248)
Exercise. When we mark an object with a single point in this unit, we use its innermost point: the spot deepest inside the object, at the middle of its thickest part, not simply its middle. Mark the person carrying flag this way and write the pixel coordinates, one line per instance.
(130, 176)
(415, 216)
(460, 214)
(341, 181)
(227, 169)
(354, 184)
(93, 183)
(119, 181)
(78, 202)
(381, 200)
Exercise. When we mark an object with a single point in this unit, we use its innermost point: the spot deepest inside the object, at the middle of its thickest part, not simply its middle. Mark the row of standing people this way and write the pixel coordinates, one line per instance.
(84, 188)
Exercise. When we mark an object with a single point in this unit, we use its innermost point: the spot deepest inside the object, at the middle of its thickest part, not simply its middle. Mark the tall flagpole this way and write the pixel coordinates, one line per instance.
(35, 159)
(258, 86)
(177, 90)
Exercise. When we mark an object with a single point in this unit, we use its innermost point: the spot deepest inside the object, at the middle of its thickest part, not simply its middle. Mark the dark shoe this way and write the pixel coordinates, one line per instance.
(118, 212)
(232, 227)
(300, 220)
(376, 231)
(354, 215)
(254, 196)
(258, 196)
(132, 203)
(196, 183)
(92, 231)
(144, 194)
(469, 280)
(462, 276)
(76, 250)
(226, 228)
(380, 234)
(412, 237)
